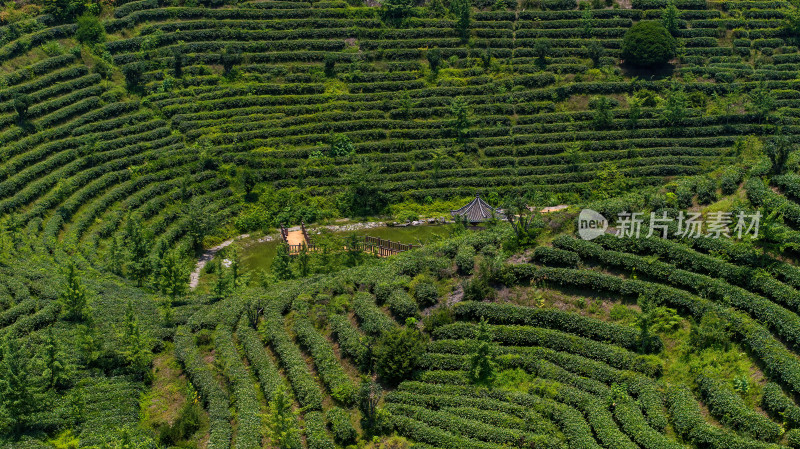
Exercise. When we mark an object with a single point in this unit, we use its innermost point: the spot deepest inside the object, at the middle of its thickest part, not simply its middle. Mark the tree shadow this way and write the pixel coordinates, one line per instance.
(651, 73)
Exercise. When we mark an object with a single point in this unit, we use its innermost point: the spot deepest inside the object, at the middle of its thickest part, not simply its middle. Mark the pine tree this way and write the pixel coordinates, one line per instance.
(462, 118)
(73, 298)
(368, 397)
(482, 367)
(138, 264)
(280, 265)
(462, 9)
(669, 18)
(173, 279)
(303, 261)
(114, 257)
(90, 343)
(282, 423)
(16, 386)
(56, 370)
(135, 345)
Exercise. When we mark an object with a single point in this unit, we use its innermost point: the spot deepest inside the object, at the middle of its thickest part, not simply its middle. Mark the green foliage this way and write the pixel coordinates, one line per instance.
(341, 146)
(342, 428)
(174, 277)
(282, 422)
(21, 104)
(462, 10)
(394, 11)
(462, 118)
(648, 44)
(426, 294)
(710, 332)
(398, 352)
(675, 109)
(482, 367)
(669, 18)
(17, 389)
(603, 117)
(281, 263)
(434, 57)
(90, 30)
(73, 299)
(778, 149)
(137, 247)
(57, 371)
(465, 259)
(136, 346)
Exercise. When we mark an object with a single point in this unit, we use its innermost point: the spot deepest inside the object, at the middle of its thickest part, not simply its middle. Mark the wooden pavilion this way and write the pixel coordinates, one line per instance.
(478, 211)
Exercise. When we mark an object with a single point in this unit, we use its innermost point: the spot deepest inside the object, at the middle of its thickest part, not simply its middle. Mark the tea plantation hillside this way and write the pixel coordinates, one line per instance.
(184, 110)
(134, 136)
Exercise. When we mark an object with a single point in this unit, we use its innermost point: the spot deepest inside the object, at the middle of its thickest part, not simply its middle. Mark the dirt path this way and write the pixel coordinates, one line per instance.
(207, 256)
(296, 238)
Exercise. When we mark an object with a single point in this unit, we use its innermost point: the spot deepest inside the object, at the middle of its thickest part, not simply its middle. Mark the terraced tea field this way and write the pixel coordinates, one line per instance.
(135, 135)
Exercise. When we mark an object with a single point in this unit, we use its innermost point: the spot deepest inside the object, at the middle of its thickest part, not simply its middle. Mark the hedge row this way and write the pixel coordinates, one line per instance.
(341, 426)
(328, 366)
(351, 342)
(556, 340)
(778, 361)
(634, 425)
(569, 420)
(467, 428)
(684, 257)
(245, 398)
(305, 387)
(689, 423)
(588, 327)
(783, 322)
(215, 398)
(775, 401)
(760, 195)
(373, 321)
(268, 375)
(316, 435)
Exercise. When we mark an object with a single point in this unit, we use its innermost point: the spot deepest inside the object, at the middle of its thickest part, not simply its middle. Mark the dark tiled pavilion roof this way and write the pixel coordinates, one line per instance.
(477, 211)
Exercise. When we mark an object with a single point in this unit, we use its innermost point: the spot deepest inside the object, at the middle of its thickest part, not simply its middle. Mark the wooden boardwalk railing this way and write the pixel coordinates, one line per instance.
(384, 248)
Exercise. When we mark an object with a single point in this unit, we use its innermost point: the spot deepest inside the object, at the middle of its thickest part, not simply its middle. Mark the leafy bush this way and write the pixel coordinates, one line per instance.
(342, 428)
(426, 294)
(465, 259)
(402, 305)
(648, 43)
(90, 30)
(398, 352)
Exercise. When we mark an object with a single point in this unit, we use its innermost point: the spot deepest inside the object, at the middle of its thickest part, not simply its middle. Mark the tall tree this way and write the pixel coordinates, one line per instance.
(303, 261)
(138, 249)
(282, 422)
(676, 106)
(16, 386)
(174, 276)
(462, 9)
(74, 304)
(778, 149)
(56, 369)
(398, 352)
(669, 18)
(369, 395)
(462, 118)
(135, 345)
(281, 263)
(482, 367)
